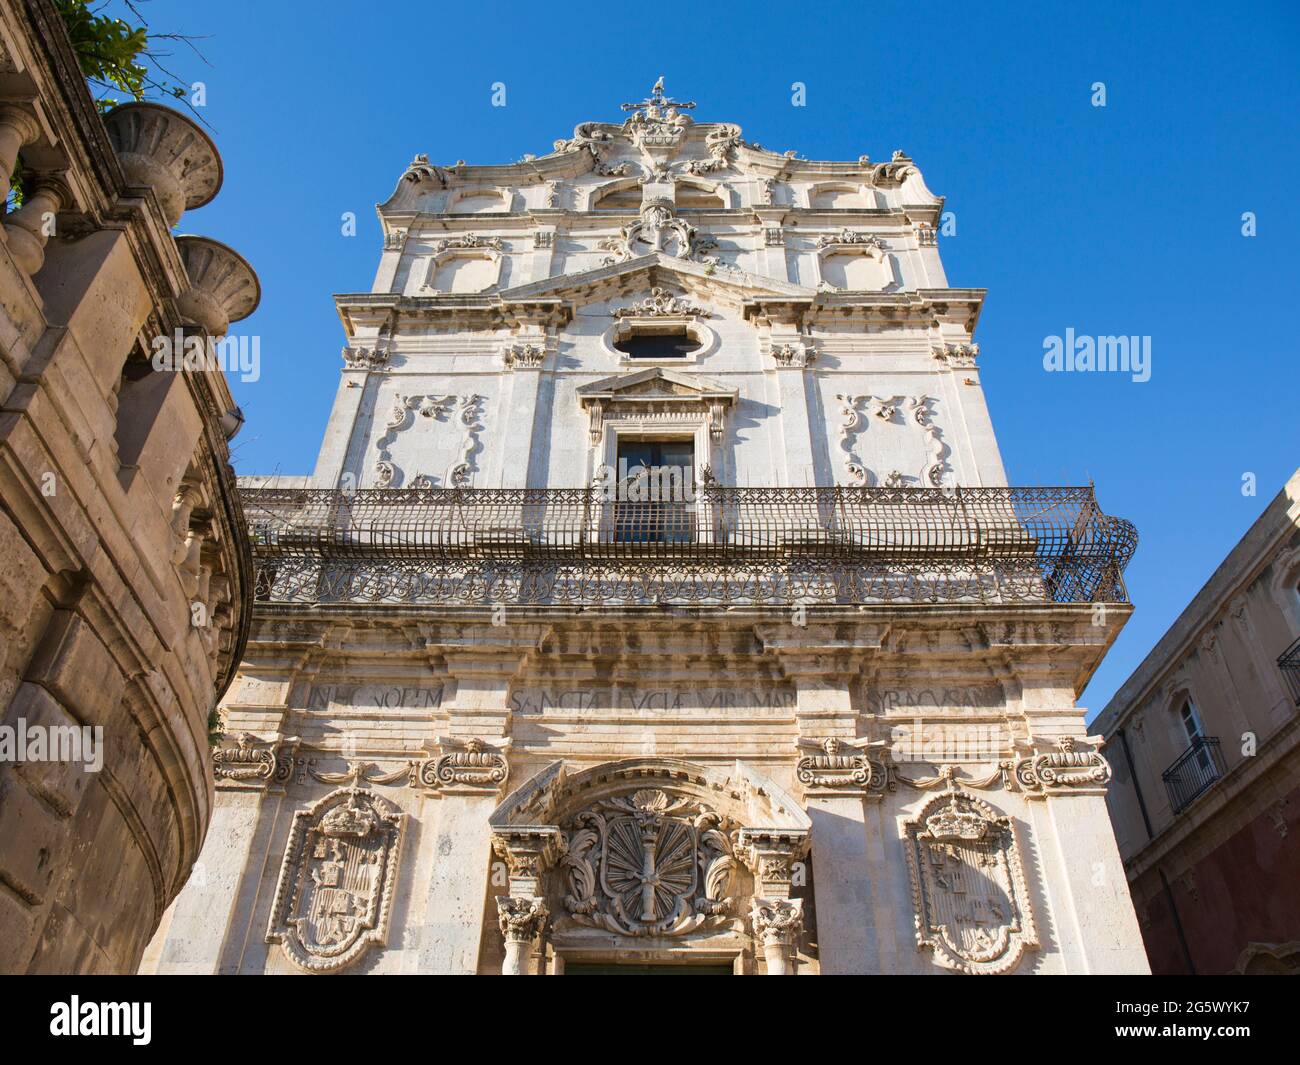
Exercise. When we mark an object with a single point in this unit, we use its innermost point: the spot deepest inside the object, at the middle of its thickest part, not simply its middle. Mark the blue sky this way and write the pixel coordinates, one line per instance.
(1121, 220)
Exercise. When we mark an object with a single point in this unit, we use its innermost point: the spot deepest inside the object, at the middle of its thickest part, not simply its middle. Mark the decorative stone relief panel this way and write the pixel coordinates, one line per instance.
(907, 445)
(334, 897)
(649, 864)
(457, 445)
(968, 885)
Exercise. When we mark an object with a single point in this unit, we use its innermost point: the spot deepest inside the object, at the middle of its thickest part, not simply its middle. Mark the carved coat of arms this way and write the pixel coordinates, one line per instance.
(335, 891)
(968, 885)
(649, 864)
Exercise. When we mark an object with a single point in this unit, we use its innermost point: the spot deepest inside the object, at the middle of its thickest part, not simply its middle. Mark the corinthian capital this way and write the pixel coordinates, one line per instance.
(778, 923)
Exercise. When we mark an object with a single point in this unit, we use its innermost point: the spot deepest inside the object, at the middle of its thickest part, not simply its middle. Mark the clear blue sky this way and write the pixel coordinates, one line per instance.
(1122, 220)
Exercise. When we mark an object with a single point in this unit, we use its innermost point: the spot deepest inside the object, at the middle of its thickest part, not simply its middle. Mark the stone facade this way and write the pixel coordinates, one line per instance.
(125, 571)
(812, 711)
(1205, 741)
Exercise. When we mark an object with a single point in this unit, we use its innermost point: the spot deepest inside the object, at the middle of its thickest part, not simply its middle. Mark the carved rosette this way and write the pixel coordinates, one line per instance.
(968, 885)
(334, 897)
(649, 864)
(1066, 769)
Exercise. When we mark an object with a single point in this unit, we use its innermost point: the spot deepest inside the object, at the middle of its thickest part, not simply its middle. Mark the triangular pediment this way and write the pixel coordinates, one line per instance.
(656, 382)
(658, 270)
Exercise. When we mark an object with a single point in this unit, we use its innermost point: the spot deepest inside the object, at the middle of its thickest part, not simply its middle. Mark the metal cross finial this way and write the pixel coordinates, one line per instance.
(657, 102)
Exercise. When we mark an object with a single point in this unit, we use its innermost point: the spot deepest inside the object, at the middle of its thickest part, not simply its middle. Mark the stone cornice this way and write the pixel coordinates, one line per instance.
(1252, 554)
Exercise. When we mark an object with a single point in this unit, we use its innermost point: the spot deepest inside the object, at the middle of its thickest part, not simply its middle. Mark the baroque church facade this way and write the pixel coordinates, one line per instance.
(659, 600)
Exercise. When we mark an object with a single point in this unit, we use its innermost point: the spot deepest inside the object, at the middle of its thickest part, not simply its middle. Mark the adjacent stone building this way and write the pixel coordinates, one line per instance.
(1204, 738)
(125, 571)
(658, 600)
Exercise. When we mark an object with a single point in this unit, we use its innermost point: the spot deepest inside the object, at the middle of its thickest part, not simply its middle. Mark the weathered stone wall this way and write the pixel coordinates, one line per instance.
(124, 565)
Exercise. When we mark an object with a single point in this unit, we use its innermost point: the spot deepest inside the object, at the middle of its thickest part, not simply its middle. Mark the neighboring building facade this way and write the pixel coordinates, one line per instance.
(1204, 739)
(125, 571)
(810, 708)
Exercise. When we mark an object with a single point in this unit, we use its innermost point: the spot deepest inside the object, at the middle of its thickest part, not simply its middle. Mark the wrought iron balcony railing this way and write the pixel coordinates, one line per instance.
(726, 545)
(1289, 663)
(1193, 771)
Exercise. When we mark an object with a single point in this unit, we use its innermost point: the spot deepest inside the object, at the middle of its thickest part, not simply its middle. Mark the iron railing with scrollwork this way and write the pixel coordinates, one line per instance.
(1289, 663)
(1193, 771)
(574, 546)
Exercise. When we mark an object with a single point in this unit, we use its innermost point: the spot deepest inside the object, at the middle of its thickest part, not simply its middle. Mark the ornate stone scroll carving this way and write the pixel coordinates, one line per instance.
(597, 143)
(469, 240)
(1068, 768)
(334, 897)
(661, 304)
(254, 762)
(926, 235)
(649, 864)
(848, 238)
(470, 763)
(892, 410)
(778, 923)
(658, 229)
(968, 885)
(840, 764)
(436, 408)
(244, 762)
(722, 143)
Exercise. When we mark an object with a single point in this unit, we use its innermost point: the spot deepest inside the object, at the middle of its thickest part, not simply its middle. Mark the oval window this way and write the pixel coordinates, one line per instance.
(675, 343)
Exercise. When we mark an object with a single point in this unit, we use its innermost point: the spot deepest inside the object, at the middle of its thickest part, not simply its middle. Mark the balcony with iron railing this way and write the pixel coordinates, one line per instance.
(1289, 663)
(724, 545)
(1193, 772)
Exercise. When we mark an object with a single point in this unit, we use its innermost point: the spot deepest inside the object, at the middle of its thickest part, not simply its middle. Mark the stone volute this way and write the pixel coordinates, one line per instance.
(163, 149)
(223, 287)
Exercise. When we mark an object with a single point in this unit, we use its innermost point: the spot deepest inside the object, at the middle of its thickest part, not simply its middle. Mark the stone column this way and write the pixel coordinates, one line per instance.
(29, 228)
(521, 913)
(839, 781)
(524, 359)
(18, 127)
(465, 778)
(791, 358)
(776, 917)
(1095, 922)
